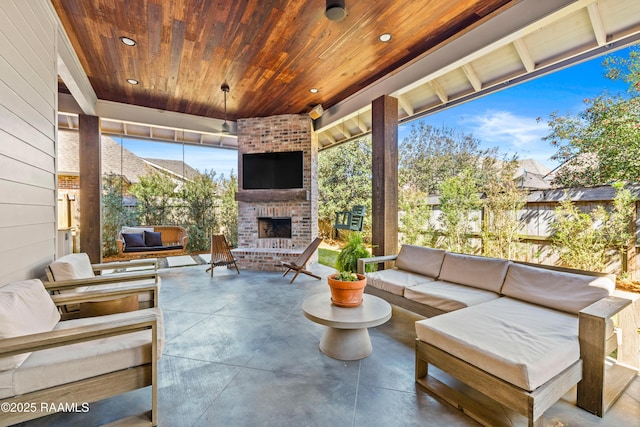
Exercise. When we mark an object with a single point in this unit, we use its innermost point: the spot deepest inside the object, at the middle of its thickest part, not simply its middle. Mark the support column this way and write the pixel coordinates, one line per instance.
(384, 167)
(90, 187)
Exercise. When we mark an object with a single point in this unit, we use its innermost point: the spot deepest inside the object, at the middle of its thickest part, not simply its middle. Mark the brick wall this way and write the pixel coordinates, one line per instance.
(68, 182)
(276, 134)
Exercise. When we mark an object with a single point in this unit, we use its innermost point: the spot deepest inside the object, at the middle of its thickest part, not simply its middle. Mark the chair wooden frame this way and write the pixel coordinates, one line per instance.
(299, 264)
(221, 253)
(90, 389)
(141, 280)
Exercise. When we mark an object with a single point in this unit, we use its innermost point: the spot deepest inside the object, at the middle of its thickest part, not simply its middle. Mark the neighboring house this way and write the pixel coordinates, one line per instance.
(116, 160)
(178, 170)
(532, 175)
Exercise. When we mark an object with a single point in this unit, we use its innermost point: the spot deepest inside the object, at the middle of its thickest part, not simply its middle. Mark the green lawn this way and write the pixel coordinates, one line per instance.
(327, 257)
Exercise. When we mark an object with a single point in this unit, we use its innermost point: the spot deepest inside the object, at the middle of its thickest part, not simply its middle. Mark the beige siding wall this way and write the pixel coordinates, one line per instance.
(28, 104)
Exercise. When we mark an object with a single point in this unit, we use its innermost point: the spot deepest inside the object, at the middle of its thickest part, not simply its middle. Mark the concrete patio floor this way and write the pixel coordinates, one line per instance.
(239, 352)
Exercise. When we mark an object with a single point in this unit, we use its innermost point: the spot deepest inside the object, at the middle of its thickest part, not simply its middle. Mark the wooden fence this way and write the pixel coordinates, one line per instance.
(537, 218)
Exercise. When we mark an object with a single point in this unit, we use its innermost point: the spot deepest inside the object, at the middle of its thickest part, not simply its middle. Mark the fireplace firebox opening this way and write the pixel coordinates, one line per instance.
(274, 228)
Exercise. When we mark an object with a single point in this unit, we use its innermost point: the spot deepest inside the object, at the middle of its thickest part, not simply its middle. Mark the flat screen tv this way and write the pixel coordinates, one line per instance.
(278, 170)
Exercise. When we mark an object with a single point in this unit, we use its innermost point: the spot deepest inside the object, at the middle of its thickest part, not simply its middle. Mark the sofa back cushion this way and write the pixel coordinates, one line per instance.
(420, 260)
(72, 266)
(479, 272)
(564, 291)
(25, 308)
(133, 240)
(152, 239)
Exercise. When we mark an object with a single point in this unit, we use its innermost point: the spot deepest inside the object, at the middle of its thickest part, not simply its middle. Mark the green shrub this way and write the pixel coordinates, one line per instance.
(348, 258)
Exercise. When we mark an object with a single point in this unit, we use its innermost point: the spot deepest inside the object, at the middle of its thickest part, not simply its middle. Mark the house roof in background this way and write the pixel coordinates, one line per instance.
(115, 158)
(177, 168)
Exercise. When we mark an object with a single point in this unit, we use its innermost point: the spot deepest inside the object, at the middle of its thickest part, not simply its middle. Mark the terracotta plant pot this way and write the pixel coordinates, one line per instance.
(346, 294)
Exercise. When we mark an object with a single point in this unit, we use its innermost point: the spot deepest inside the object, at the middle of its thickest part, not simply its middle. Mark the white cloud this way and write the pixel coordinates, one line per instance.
(503, 128)
(512, 133)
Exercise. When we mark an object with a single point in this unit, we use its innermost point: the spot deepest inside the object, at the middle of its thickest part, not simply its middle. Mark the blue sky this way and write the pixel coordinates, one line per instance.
(508, 119)
(505, 119)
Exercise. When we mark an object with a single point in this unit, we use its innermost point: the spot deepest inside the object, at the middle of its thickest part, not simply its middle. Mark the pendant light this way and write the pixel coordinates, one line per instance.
(225, 126)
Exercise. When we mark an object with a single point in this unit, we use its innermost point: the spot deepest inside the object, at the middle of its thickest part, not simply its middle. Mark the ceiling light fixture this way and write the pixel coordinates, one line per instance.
(132, 81)
(225, 126)
(335, 10)
(385, 37)
(128, 41)
(314, 90)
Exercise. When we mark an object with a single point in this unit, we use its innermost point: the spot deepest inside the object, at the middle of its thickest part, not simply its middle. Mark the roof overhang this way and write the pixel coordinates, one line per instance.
(527, 40)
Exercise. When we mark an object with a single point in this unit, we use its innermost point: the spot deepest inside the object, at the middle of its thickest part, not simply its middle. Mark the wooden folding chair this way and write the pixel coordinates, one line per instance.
(220, 253)
(300, 263)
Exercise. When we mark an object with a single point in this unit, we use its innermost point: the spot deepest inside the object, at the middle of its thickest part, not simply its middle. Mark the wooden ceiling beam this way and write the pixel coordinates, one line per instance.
(405, 104)
(596, 22)
(472, 76)
(525, 55)
(439, 90)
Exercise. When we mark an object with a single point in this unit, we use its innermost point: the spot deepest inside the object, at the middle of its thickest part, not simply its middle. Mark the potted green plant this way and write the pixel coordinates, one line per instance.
(347, 286)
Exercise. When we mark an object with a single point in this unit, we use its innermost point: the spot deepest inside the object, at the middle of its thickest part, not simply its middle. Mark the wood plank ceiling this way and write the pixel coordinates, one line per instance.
(270, 52)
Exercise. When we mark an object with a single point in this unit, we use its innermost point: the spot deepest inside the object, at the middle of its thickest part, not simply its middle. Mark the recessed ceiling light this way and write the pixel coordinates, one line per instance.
(385, 37)
(314, 90)
(128, 41)
(132, 81)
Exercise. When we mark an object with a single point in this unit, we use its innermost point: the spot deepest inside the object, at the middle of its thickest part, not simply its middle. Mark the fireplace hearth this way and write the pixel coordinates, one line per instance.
(274, 228)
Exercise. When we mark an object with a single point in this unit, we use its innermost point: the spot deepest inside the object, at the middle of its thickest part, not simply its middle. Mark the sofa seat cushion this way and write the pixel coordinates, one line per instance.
(448, 296)
(151, 248)
(395, 280)
(521, 343)
(62, 365)
(559, 290)
(477, 271)
(420, 260)
(25, 308)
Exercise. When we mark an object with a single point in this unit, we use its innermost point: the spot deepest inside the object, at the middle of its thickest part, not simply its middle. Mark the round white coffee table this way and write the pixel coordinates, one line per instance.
(346, 336)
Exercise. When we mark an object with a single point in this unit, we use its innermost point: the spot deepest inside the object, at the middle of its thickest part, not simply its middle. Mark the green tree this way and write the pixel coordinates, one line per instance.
(618, 228)
(583, 239)
(577, 239)
(602, 143)
(344, 180)
(428, 156)
(199, 195)
(502, 202)
(114, 213)
(459, 199)
(154, 193)
(414, 219)
(229, 209)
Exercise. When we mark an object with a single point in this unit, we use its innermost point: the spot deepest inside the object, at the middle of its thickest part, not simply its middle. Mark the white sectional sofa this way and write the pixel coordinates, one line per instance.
(521, 334)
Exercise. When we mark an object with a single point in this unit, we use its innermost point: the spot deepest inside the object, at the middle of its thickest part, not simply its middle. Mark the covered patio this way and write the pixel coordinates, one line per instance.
(239, 352)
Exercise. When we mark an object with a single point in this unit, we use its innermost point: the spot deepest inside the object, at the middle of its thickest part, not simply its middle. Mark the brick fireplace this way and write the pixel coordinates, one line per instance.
(276, 223)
